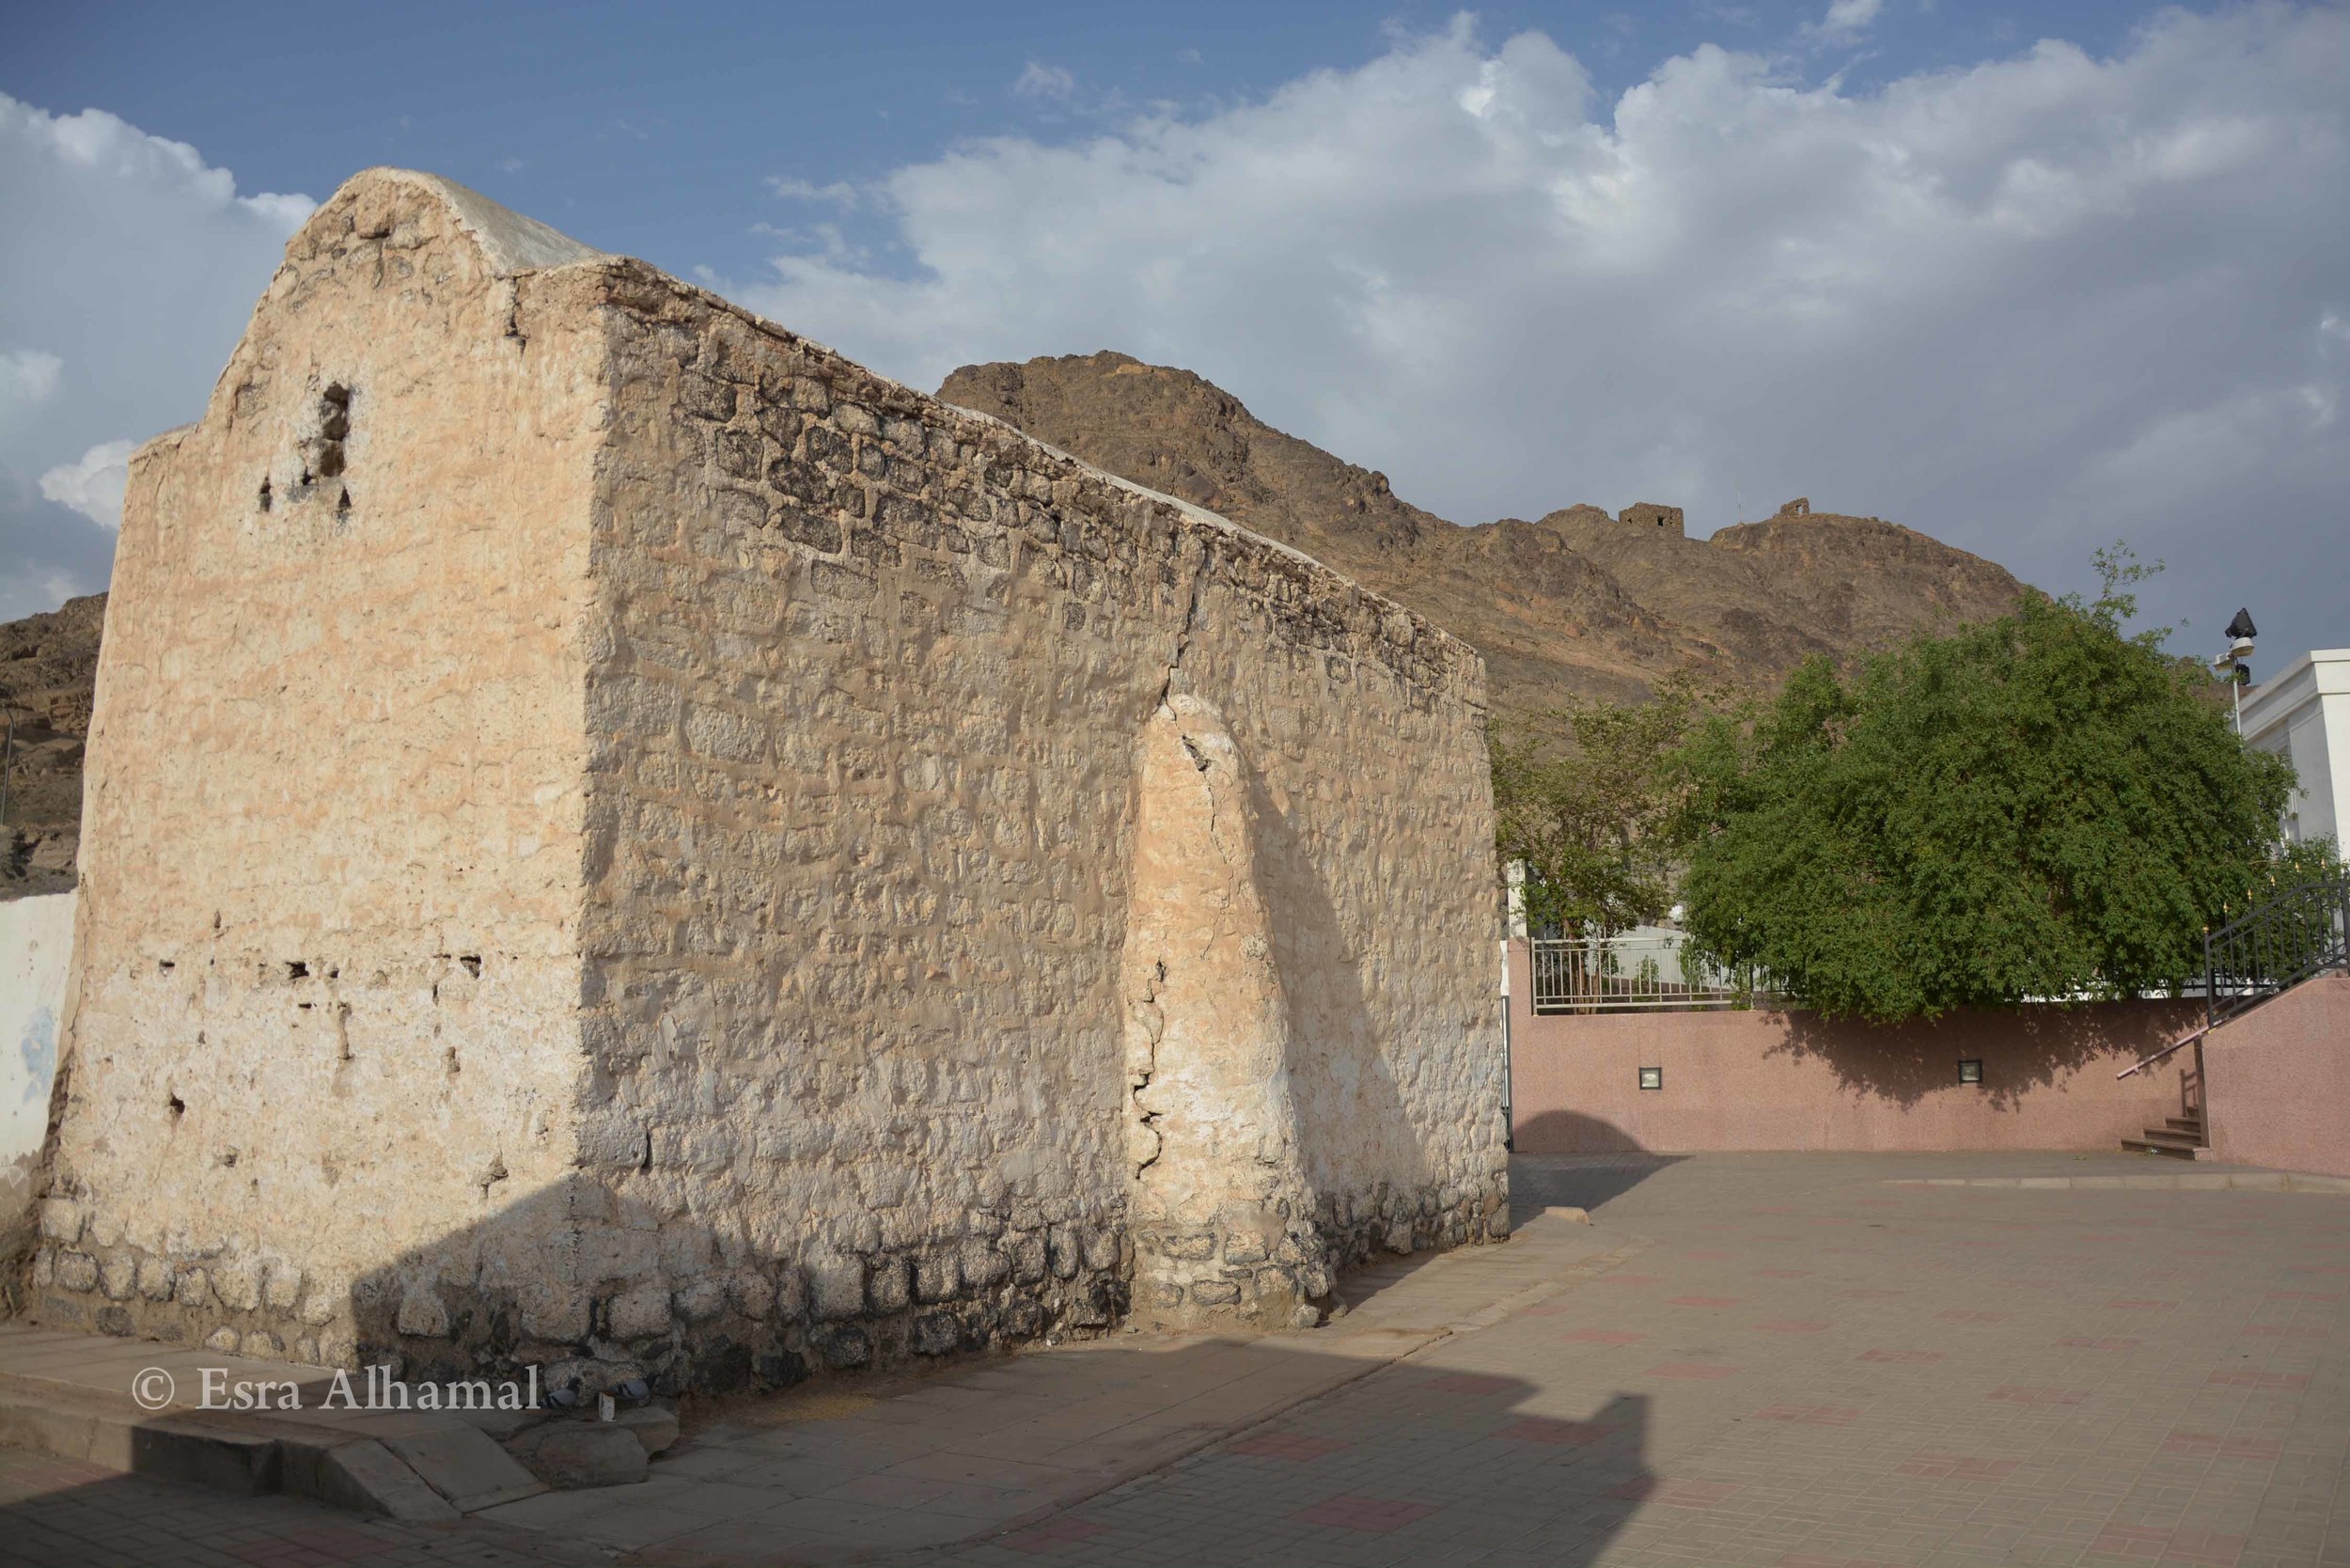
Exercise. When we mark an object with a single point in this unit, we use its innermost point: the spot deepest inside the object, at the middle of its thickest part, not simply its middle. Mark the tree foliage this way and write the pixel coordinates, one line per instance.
(2040, 806)
(1592, 819)
(2302, 860)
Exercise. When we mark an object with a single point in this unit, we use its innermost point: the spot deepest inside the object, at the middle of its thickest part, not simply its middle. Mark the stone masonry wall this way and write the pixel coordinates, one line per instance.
(648, 884)
(324, 981)
(866, 708)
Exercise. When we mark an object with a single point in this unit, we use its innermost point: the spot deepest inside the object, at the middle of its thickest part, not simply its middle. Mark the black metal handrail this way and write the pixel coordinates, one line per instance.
(2302, 931)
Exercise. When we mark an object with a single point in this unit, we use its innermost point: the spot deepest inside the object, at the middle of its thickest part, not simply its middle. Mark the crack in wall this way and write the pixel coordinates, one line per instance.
(1183, 635)
(1146, 1014)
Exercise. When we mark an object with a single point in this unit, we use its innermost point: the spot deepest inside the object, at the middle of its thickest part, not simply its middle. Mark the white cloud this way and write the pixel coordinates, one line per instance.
(1984, 301)
(1846, 18)
(1041, 81)
(27, 376)
(127, 267)
(93, 483)
(840, 192)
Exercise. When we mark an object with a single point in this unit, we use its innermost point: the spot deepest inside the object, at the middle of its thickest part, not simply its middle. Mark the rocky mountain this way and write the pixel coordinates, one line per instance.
(1576, 604)
(48, 669)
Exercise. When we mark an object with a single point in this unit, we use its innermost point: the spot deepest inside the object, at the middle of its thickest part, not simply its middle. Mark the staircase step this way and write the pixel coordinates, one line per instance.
(2186, 1124)
(2151, 1146)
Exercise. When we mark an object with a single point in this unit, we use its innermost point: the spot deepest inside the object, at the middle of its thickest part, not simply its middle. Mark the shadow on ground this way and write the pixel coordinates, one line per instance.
(991, 1460)
(1539, 1182)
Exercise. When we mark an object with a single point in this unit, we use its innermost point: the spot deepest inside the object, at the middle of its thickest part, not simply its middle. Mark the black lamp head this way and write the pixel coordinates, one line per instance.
(2242, 625)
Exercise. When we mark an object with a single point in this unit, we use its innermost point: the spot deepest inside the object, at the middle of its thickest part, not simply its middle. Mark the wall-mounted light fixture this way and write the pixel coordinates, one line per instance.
(1652, 1077)
(1971, 1070)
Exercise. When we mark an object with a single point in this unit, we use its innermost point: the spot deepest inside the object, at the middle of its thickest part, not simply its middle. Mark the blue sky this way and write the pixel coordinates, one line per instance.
(2027, 278)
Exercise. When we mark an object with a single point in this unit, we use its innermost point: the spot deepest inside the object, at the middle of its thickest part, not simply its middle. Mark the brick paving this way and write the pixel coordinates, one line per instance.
(1809, 1364)
(1814, 1367)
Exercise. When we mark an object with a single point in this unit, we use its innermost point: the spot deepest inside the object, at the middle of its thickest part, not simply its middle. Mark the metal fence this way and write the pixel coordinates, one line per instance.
(1653, 971)
(2302, 931)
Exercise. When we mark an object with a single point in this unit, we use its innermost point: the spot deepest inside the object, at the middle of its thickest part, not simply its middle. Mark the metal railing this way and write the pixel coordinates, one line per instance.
(1654, 971)
(2299, 933)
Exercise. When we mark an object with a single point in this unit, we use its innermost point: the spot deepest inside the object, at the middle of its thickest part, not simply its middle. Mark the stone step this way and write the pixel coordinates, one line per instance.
(227, 1451)
(2177, 1151)
(73, 1395)
(2185, 1124)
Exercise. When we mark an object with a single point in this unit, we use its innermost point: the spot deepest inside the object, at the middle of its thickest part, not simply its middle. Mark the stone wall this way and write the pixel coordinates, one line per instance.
(326, 981)
(1649, 514)
(659, 889)
(870, 718)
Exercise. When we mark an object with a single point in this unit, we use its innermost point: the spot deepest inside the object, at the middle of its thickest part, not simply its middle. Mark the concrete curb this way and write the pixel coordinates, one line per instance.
(2214, 1181)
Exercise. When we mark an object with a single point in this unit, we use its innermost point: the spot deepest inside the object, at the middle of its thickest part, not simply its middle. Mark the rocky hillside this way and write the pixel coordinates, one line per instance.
(48, 667)
(1577, 603)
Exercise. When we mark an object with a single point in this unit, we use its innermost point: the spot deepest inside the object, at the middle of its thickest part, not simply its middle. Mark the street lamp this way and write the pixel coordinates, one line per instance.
(2236, 671)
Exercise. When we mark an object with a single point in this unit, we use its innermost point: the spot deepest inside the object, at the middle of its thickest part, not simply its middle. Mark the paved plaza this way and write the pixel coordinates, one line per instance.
(1805, 1360)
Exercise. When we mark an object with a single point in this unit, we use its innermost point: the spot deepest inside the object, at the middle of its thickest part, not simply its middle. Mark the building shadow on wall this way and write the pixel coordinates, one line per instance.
(591, 1285)
(1352, 1116)
(577, 1272)
(2021, 1049)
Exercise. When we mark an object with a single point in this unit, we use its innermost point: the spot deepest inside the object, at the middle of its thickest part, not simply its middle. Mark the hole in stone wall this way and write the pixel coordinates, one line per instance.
(165, 967)
(472, 963)
(450, 1062)
(266, 495)
(178, 1107)
(334, 426)
(296, 969)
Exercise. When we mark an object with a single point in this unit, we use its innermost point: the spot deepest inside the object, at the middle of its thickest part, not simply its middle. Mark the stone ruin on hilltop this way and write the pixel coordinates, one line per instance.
(617, 838)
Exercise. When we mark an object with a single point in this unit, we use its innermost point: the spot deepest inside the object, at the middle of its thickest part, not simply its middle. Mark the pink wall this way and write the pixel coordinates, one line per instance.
(1779, 1081)
(2280, 1081)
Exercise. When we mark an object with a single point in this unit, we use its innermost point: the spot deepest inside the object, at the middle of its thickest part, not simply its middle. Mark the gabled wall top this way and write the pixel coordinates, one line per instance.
(511, 242)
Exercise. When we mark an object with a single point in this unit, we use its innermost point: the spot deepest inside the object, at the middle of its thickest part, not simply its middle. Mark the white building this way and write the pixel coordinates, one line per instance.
(2303, 715)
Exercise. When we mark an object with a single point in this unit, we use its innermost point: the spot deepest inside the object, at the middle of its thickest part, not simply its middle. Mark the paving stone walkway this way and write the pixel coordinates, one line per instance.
(1766, 1359)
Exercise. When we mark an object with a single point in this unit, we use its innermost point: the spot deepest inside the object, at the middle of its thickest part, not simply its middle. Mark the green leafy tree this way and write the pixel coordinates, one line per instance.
(2037, 806)
(2302, 860)
(1591, 816)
